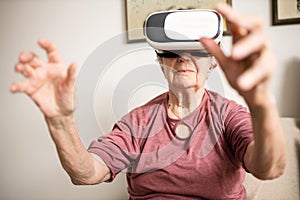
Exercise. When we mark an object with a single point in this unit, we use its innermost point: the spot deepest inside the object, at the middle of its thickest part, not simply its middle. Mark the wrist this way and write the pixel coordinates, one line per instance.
(59, 121)
(261, 97)
(62, 129)
(263, 103)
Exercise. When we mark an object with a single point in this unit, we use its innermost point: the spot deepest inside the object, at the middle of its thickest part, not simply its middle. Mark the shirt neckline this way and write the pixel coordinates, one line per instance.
(191, 115)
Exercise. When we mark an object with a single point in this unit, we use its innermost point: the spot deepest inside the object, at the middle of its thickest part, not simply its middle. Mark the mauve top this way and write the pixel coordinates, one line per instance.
(208, 164)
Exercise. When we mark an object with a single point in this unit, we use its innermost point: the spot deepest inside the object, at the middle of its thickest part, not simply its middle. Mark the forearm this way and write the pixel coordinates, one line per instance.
(75, 159)
(265, 158)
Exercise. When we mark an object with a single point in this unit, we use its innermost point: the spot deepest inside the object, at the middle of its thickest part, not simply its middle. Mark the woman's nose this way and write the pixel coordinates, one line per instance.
(184, 58)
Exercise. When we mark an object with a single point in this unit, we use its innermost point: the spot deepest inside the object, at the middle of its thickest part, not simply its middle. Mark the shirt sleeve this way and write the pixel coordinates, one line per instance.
(117, 149)
(239, 131)
(123, 145)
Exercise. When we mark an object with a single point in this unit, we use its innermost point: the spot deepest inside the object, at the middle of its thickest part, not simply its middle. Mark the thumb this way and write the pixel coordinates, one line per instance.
(71, 77)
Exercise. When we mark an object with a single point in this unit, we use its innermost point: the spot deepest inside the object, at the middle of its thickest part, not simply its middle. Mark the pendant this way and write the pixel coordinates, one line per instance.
(183, 131)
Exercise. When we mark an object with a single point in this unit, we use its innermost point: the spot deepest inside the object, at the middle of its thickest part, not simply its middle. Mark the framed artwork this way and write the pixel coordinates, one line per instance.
(285, 12)
(138, 10)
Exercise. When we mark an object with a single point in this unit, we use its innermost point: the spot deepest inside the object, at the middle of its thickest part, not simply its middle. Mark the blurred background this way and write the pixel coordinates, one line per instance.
(82, 29)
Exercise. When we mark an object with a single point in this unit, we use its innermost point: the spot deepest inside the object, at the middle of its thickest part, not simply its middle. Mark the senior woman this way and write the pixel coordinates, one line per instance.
(188, 143)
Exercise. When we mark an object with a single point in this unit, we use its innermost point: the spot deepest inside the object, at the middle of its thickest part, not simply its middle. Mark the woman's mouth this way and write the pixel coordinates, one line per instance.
(184, 71)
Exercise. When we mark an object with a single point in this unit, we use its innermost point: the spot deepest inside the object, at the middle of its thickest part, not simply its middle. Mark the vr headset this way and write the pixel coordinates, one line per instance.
(181, 29)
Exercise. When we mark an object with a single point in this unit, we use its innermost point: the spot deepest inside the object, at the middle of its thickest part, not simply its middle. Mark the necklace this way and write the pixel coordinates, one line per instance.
(182, 130)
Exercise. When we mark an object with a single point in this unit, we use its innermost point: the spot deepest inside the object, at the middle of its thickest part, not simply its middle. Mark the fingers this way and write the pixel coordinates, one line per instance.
(260, 71)
(247, 32)
(233, 18)
(255, 42)
(23, 87)
(25, 69)
(27, 64)
(251, 61)
(28, 57)
(19, 87)
(52, 52)
(241, 24)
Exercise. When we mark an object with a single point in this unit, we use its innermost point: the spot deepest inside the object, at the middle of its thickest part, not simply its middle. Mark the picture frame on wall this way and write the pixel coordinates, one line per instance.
(138, 10)
(285, 12)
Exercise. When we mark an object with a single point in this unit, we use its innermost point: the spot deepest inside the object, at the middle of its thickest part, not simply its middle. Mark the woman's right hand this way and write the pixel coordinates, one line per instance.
(50, 85)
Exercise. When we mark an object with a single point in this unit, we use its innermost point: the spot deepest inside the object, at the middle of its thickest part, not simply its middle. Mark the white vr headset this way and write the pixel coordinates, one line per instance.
(181, 29)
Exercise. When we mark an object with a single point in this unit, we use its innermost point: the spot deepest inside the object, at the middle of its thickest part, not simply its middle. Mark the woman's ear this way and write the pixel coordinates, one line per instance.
(213, 63)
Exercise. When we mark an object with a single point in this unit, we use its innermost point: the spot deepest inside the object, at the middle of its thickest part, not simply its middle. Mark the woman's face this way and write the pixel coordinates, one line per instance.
(186, 71)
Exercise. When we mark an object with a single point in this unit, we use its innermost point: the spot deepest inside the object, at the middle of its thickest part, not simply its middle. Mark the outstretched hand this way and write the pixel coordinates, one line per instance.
(249, 67)
(50, 85)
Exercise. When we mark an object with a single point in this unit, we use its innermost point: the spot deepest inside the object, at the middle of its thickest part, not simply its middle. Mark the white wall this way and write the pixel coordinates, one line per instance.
(29, 165)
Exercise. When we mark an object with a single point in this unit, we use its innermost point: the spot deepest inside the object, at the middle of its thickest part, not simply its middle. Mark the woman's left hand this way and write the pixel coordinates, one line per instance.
(249, 67)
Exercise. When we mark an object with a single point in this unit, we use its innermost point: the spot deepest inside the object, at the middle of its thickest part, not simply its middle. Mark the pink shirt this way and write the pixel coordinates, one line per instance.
(160, 165)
